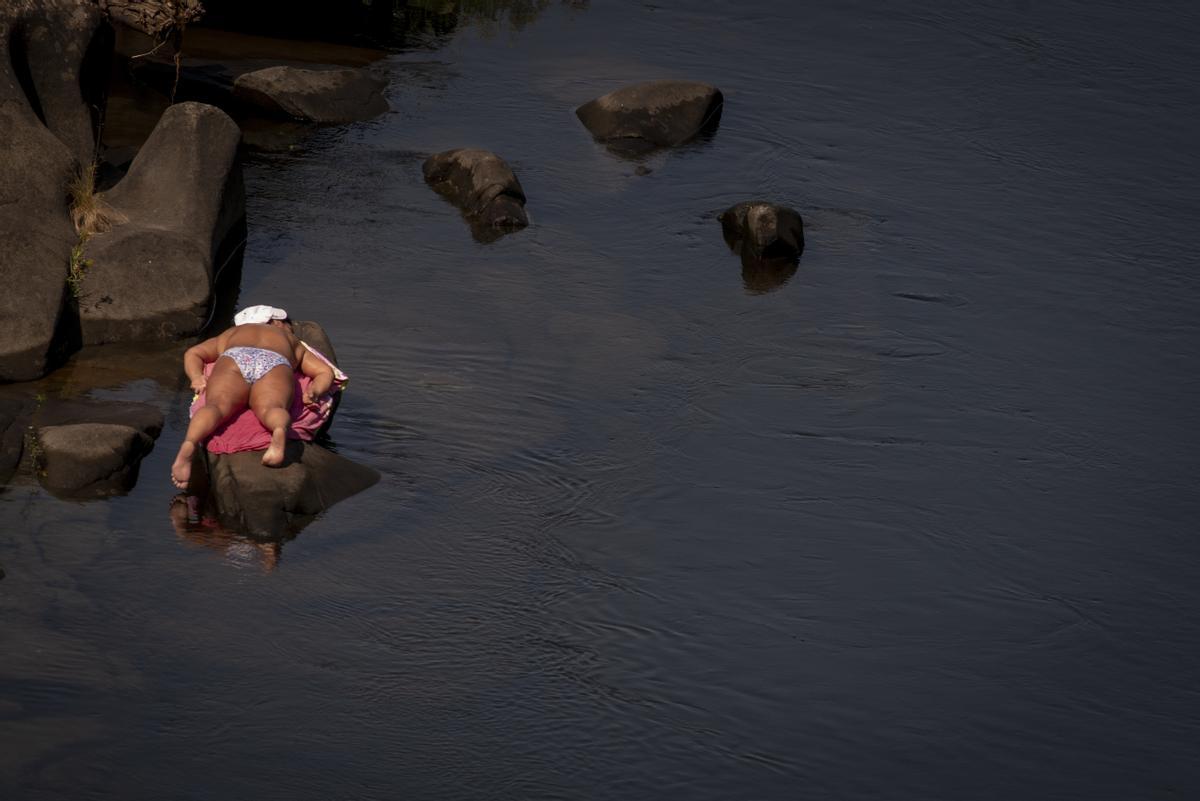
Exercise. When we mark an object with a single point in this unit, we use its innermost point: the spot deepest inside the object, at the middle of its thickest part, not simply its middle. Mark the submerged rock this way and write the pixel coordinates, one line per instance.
(153, 276)
(49, 53)
(659, 113)
(328, 96)
(481, 184)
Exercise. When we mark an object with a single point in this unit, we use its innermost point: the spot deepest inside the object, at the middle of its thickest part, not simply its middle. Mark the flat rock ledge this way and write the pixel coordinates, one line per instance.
(315, 95)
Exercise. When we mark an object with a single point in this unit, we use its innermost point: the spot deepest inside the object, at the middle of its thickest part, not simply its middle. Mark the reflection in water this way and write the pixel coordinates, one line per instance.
(200, 529)
(763, 275)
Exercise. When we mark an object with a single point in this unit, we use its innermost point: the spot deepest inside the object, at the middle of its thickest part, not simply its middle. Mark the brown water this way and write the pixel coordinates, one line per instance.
(920, 523)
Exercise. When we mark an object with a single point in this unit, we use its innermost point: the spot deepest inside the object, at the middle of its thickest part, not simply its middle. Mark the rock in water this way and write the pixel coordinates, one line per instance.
(331, 96)
(266, 502)
(481, 184)
(152, 277)
(46, 130)
(757, 229)
(661, 113)
(93, 449)
(90, 458)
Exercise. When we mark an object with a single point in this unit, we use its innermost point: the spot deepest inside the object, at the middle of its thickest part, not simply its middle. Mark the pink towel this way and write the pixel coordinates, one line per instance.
(244, 432)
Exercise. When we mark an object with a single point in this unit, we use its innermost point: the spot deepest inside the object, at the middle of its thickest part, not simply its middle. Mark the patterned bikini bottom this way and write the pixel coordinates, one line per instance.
(255, 362)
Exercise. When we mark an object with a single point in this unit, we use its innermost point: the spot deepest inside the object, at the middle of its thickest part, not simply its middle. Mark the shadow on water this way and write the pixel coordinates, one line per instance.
(763, 275)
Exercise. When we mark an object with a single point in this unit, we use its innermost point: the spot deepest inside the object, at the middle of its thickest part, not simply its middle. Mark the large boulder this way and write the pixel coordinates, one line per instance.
(268, 502)
(91, 448)
(483, 186)
(49, 50)
(657, 113)
(153, 276)
(316, 95)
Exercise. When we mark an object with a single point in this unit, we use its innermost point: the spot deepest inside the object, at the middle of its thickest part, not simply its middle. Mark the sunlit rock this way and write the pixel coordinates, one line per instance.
(658, 113)
(92, 449)
(269, 502)
(50, 52)
(483, 186)
(152, 276)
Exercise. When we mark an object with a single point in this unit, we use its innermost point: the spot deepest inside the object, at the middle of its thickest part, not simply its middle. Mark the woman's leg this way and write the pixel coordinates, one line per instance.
(271, 400)
(225, 394)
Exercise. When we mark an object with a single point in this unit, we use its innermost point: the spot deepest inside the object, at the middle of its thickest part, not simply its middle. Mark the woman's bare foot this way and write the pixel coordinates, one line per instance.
(274, 455)
(181, 470)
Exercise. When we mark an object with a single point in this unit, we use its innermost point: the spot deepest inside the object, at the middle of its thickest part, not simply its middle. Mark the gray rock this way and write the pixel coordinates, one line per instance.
(45, 128)
(268, 502)
(757, 229)
(328, 96)
(92, 448)
(93, 459)
(152, 277)
(481, 184)
(659, 113)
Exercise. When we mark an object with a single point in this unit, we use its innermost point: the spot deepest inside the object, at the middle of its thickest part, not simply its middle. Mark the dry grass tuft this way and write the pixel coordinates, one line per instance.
(89, 212)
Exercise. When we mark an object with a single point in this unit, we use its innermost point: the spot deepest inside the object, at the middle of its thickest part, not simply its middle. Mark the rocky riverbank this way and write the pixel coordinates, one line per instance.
(124, 211)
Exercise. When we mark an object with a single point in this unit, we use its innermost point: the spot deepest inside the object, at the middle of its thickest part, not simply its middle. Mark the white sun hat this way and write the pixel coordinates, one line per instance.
(258, 314)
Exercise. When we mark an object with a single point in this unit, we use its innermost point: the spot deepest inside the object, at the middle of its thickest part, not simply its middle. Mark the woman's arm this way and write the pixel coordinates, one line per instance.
(195, 357)
(320, 373)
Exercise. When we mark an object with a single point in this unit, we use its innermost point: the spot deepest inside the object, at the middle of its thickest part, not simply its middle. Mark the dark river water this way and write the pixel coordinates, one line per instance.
(918, 524)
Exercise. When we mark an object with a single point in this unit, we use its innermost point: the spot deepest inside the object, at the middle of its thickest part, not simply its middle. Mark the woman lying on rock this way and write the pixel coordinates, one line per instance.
(255, 364)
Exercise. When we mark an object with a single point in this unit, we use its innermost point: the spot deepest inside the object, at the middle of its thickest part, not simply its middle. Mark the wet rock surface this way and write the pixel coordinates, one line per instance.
(656, 113)
(483, 186)
(46, 127)
(153, 276)
(316, 95)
